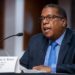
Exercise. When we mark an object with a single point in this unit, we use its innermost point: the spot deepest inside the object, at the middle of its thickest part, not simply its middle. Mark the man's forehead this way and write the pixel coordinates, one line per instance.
(49, 10)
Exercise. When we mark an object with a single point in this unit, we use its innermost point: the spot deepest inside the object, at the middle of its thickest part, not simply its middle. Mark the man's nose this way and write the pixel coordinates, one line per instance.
(45, 21)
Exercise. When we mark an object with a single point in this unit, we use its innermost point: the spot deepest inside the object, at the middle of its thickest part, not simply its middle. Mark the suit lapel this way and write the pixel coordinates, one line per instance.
(63, 50)
(64, 46)
(43, 50)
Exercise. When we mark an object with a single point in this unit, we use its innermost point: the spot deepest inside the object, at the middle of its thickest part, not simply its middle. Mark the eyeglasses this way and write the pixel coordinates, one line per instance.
(50, 17)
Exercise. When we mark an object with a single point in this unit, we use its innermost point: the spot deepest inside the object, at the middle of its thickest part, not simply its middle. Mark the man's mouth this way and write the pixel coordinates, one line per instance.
(46, 29)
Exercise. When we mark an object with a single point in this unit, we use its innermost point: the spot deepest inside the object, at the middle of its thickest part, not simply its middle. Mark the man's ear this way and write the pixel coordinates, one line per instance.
(64, 22)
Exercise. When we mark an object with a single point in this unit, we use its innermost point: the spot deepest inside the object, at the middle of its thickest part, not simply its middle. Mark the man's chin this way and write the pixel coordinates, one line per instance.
(47, 36)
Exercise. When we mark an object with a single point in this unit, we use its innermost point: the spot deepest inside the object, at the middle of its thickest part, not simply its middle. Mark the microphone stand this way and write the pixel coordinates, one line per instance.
(18, 34)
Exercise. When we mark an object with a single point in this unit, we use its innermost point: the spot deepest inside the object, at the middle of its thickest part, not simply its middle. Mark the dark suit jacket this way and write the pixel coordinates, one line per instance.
(35, 55)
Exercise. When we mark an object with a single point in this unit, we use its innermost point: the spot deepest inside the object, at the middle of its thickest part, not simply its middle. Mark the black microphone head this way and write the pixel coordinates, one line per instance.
(19, 34)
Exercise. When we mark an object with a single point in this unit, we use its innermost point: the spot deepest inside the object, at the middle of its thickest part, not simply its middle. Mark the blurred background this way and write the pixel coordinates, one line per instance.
(23, 16)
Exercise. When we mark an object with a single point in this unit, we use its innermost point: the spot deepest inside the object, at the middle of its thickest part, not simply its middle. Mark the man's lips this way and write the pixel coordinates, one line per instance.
(46, 29)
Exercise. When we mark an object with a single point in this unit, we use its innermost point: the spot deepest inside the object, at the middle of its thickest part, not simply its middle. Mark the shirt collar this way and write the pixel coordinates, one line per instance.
(59, 40)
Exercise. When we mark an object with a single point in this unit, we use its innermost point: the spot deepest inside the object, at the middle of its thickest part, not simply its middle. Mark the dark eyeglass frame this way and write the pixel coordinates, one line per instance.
(50, 17)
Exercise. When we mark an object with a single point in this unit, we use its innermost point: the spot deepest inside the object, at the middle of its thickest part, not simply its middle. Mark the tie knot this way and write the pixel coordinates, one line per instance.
(54, 44)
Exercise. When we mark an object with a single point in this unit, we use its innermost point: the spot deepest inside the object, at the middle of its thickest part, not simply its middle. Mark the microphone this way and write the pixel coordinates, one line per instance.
(18, 34)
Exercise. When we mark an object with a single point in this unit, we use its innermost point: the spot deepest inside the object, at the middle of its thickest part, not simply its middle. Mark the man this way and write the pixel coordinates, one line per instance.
(54, 29)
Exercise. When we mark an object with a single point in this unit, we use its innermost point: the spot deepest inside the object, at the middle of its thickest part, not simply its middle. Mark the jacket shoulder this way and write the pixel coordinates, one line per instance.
(71, 35)
(37, 37)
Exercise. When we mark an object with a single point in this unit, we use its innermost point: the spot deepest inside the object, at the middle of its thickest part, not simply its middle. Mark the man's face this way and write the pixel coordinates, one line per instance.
(52, 24)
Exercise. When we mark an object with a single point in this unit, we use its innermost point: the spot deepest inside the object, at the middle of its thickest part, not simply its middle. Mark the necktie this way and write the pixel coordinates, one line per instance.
(52, 55)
